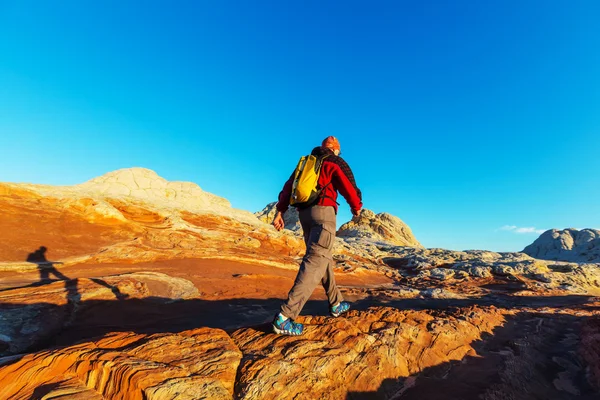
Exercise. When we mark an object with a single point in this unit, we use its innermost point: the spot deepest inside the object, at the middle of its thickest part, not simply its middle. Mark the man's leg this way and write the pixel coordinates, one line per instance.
(333, 292)
(318, 256)
(328, 281)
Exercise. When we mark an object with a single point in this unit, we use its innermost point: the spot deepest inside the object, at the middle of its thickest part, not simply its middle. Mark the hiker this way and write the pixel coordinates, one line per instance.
(317, 209)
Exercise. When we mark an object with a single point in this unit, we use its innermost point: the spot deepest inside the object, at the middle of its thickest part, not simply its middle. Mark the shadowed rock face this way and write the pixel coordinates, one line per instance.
(590, 349)
(32, 316)
(379, 227)
(113, 291)
(291, 217)
(567, 245)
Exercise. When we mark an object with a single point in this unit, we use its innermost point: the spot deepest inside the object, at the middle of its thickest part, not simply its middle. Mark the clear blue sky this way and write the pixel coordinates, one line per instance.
(458, 117)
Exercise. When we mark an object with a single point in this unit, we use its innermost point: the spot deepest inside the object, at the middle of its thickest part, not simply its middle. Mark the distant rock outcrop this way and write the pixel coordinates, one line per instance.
(382, 227)
(291, 217)
(146, 186)
(567, 245)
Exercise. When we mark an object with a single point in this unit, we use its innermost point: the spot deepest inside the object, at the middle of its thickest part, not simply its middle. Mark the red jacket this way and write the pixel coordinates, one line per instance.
(334, 170)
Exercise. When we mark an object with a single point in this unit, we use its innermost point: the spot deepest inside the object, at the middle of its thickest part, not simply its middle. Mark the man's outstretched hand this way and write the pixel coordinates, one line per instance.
(278, 222)
(356, 213)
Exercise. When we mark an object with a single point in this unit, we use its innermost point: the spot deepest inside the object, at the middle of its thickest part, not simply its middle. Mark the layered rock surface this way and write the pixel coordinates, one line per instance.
(356, 353)
(130, 215)
(196, 364)
(567, 245)
(469, 351)
(112, 294)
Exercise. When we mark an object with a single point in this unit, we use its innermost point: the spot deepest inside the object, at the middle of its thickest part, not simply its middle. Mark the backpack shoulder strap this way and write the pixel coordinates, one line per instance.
(322, 189)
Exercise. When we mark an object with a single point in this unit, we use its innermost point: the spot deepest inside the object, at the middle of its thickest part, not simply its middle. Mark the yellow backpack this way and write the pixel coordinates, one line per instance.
(305, 190)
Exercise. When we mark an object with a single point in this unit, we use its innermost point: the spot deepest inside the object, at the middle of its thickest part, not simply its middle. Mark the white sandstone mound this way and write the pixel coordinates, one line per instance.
(567, 245)
(380, 227)
(146, 186)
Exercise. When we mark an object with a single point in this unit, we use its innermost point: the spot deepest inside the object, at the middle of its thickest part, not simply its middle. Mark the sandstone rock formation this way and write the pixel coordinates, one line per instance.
(108, 294)
(196, 364)
(142, 185)
(380, 227)
(379, 353)
(358, 353)
(291, 218)
(130, 214)
(567, 245)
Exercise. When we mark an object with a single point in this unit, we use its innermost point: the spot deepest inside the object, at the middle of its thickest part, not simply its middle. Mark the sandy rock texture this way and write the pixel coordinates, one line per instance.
(379, 227)
(572, 245)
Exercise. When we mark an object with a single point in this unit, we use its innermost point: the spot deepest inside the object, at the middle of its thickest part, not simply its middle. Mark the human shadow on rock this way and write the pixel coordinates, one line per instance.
(47, 269)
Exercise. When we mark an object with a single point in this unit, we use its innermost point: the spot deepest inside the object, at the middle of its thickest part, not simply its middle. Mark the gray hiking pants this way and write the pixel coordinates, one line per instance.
(318, 225)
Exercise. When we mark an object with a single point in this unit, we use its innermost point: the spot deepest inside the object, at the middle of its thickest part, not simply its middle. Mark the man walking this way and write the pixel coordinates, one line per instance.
(319, 227)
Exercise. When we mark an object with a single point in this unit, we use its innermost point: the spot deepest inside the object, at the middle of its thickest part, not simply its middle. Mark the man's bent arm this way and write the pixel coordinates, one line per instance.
(347, 188)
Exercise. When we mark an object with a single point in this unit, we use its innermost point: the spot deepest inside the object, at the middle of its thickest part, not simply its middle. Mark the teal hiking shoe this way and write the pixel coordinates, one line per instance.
(287, 327)
(338, 310)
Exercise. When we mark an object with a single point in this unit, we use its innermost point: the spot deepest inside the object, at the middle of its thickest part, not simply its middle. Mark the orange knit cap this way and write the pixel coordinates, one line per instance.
(331, 142)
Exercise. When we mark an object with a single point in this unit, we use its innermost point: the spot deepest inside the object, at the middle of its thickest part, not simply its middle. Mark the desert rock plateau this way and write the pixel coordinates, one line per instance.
(129, 286)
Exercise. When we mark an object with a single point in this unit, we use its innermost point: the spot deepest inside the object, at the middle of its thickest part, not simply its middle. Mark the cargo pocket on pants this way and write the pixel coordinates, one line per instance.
(323, 237)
